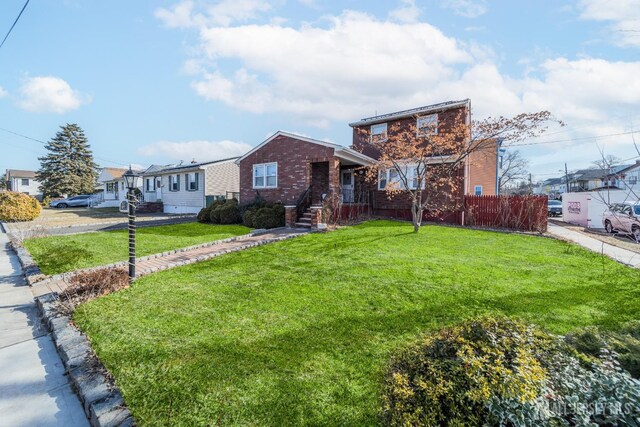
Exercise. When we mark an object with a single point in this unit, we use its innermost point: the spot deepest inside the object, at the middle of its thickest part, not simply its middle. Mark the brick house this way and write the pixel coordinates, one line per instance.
(301, 172)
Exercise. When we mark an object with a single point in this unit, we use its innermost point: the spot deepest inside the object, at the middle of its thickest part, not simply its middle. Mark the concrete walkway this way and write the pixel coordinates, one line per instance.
(155, 263)
(33, 388)
(621, 255)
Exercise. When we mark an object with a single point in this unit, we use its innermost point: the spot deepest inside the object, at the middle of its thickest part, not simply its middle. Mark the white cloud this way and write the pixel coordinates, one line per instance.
(48, 94)
(408, 12)
(225, 12)
(467, 8)
(623, 14)
(201, 151)
(3, 92)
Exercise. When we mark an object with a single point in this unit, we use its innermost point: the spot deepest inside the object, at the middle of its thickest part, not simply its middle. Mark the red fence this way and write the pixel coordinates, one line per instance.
(524, 213)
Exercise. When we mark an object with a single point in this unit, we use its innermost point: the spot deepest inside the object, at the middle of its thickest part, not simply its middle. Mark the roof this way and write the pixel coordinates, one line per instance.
(115, 173)
(434, 108)
(19, 173)
(627, 168)
(340, 151)
(588, 174)
(188, 166)
(158, 168)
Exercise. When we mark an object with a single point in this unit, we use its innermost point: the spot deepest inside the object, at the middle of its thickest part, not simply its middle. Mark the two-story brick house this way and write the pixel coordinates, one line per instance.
(299, 171)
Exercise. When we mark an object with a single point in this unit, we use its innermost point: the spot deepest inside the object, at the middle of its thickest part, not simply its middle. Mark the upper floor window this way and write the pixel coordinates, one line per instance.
(191, 182)
(174, 182)
(265, 175)
(379, 132)
(427, 125)
(25, 181)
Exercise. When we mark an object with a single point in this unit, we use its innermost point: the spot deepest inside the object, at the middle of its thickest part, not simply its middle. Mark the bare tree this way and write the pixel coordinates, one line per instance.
(606, 161)
(513, 168)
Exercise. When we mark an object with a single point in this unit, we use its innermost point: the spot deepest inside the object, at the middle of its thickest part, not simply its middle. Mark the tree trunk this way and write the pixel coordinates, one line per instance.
(416, 213)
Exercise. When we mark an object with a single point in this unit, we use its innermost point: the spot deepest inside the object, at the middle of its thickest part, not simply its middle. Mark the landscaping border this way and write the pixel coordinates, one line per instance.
(101, 400)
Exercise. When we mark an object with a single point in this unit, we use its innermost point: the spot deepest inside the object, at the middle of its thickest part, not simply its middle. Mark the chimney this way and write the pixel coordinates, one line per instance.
(181, 162)
(193, 162)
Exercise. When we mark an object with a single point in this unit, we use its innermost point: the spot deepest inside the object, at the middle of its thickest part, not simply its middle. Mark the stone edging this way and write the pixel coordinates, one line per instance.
(102, 401)
(30, 269)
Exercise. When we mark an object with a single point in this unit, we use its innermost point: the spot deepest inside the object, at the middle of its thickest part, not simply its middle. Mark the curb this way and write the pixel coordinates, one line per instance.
(102, 401)
(30, 269)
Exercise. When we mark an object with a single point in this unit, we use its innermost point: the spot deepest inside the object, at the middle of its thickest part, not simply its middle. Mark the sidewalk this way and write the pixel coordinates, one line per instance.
(621, 255)
(154, 263)
(33, 388)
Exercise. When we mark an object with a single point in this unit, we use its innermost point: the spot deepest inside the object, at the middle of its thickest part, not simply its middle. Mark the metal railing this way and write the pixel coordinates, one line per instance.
(304, 201)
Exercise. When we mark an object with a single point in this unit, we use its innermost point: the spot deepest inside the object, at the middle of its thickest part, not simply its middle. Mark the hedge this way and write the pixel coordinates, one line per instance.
(16, 207)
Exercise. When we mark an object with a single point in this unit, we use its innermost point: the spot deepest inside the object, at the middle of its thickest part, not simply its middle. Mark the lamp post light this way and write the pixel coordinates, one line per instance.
(130, 179)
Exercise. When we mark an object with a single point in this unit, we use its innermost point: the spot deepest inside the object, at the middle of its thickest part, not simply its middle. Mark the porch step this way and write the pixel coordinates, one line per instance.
(303, 224)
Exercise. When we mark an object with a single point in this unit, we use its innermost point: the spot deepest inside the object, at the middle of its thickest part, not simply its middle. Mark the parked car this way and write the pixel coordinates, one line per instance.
(554, 208)
(623, 217)
(69, 202)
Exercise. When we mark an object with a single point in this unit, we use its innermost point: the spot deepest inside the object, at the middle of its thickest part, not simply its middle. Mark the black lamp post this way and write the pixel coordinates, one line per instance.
(130, 179)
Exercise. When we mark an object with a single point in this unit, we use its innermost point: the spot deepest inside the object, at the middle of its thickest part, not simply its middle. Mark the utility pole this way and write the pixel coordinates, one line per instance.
(566, 178)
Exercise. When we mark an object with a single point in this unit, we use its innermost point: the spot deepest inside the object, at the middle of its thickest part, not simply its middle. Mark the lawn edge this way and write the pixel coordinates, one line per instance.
(101, 399)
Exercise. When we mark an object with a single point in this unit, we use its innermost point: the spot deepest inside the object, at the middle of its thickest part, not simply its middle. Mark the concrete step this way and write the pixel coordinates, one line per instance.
(306, 220)
(303, 224)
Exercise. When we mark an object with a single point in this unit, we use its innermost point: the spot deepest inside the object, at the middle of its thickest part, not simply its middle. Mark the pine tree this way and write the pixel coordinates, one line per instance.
(68, 168)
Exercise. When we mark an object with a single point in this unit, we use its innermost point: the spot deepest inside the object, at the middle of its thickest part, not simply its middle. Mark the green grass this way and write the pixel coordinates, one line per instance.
(59, 254)
(300, 332)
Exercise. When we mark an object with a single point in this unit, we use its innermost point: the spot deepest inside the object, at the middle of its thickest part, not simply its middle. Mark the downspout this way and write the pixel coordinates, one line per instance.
(498, 145)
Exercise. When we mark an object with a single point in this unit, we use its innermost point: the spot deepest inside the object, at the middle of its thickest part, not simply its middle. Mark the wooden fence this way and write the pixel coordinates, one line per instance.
(524, 213)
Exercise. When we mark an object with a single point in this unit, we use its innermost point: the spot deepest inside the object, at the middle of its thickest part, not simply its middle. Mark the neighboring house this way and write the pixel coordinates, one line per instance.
(23, 181)
(185, 189)
(596, 179)
(552, 187)
(628, 179)
(114, 188)
(299, 171)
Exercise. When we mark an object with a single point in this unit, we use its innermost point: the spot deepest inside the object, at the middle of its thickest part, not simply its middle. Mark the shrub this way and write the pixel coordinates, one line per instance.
(625, 343)
(229, 213)
(204, 215)
(497, 371)
(214, 213)
(92, 284)
(15, 207)
(247, 218)
(269, 217)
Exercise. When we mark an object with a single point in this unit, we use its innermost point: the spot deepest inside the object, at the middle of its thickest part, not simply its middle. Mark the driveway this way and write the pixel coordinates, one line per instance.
(619, 254)
(34, 390)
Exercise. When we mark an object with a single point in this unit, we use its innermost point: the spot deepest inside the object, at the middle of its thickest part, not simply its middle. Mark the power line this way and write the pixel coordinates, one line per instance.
(14, 23)
(574, 139)
(45, 143)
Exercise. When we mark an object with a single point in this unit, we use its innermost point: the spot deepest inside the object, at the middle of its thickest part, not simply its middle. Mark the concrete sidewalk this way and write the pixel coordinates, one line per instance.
(33, 388)
(621, 255)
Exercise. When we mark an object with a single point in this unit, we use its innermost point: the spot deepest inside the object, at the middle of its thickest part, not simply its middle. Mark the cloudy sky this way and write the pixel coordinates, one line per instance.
(160, 81)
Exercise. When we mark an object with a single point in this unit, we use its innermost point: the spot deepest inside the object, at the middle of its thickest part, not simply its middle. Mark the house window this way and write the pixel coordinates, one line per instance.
(428, 125)
(111, 187)
(633, 180)
(265, 175)
(25, 181)
(150, 184)
(174, 182)
(379, 132)
(477, 190)
(392, 176)
(191, 181)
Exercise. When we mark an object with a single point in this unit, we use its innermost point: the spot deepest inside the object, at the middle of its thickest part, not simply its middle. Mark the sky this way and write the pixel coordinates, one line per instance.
(164, 81)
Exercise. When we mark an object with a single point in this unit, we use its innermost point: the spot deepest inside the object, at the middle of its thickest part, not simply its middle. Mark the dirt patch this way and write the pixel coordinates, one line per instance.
(620, 240)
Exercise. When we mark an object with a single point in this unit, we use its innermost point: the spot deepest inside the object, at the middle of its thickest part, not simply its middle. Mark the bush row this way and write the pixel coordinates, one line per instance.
(18, 207)
(258, 214)
(501, 372)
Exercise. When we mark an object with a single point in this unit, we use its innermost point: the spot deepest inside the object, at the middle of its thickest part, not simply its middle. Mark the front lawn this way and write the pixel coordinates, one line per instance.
(300, 332)
(59, 254)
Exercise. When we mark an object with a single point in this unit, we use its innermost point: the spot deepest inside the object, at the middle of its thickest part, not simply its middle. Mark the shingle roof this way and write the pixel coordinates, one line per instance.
(412, 112)
(20, 173)
(195, 165)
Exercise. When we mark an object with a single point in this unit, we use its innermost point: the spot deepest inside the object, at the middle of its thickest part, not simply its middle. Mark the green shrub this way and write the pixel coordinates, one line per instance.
(625, 343)
(247, 218)
(497, 371)
(229, 213)
(214, 211)
(204, 215)
(268, 217)
(15, 207)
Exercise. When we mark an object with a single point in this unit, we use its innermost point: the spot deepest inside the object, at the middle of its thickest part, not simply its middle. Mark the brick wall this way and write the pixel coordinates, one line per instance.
(294, 158)
(482, 169)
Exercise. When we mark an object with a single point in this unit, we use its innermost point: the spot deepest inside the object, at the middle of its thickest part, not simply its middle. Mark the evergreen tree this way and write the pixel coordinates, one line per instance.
(68, 168)
(3, 182)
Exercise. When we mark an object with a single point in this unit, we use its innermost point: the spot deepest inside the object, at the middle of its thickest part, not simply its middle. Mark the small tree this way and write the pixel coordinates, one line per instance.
(427, 165)
(68, 168)
(513, 168)
(3, 182)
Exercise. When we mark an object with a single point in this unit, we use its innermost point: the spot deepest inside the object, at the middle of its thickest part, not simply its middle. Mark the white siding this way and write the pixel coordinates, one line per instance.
(222, 178)
(32, 189)
(183, 201)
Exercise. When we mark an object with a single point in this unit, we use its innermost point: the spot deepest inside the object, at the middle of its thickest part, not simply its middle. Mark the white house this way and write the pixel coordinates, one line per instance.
(23, 181)
(189, 187)
(629, 180)
(114, 189)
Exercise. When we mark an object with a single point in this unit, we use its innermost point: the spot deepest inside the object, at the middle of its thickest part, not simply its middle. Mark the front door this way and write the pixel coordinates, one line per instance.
(158, 188)
(346, 181)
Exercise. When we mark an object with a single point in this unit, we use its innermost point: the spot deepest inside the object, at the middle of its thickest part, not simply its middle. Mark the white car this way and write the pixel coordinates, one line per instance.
(624, 218)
